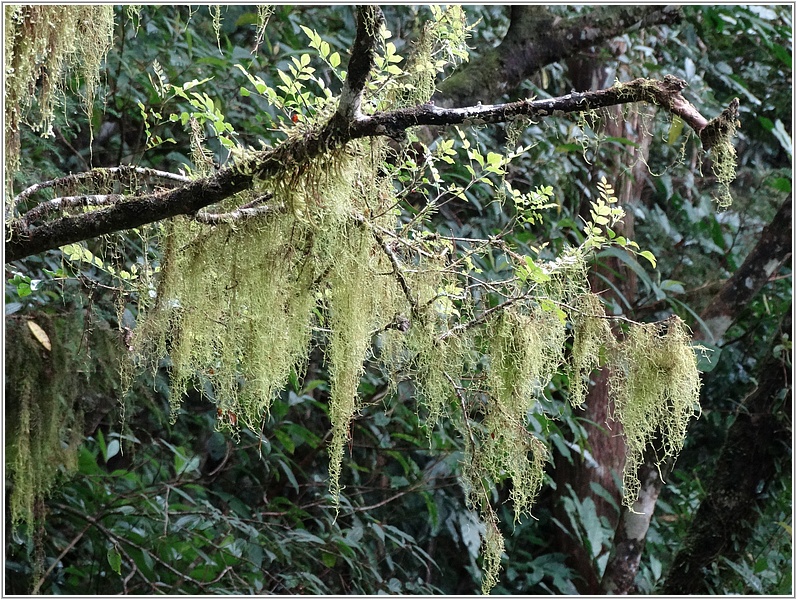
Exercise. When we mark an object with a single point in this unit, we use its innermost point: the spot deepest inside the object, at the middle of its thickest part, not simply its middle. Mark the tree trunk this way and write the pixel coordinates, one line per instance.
(764, 260)
(757, 443)
(606, 443)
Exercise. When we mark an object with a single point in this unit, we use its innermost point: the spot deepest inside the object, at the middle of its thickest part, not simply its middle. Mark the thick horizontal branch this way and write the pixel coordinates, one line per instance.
(24, 238)
(535, 38)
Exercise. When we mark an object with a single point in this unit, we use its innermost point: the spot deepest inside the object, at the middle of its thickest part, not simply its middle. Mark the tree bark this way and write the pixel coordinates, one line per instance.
(771, 251)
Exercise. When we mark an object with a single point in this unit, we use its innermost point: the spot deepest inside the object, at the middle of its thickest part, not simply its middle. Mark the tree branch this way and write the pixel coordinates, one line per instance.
(56, 204)
(24, 239)
(536, 38)
(369, 20)
(95, 174)
(237, 214)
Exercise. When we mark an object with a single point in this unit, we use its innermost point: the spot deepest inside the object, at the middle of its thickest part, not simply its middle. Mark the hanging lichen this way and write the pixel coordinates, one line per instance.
(723, 164)
(525, 350)
(47, 376)
(436, 363)
(238, 316)
(41, 43)
(264, 12)
(567, 280)
(492, 550)
(351, 318)
(655, 386)
(592, 337)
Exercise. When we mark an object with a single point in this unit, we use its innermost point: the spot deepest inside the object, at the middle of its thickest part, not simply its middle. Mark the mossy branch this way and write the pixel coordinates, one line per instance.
(23, 238)
(369, 20)
(89, 176)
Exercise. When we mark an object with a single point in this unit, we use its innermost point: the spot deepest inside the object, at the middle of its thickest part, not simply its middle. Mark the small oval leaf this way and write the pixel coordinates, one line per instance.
(40, 335)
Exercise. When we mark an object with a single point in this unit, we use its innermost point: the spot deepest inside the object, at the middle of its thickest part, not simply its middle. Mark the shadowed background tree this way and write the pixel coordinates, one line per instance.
(187, 484)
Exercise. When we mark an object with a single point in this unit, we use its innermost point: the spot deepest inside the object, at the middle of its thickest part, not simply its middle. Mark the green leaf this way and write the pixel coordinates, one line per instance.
(534, 271)
(286, 440)
(649, 255)
(112, 450)
(285, 78)
(707, 356)
(115, 560)
(329, 559)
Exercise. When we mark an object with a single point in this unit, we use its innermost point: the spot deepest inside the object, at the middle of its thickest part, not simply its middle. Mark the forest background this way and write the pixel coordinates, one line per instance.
(129, 500)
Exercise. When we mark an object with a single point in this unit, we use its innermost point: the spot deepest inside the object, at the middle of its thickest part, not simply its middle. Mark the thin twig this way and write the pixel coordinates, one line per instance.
(482, 317)
(398, 271)
(237, 215)
(99, 172)
(58, 559)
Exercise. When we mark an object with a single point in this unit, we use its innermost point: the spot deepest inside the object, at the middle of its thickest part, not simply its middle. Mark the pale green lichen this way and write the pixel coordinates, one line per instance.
(656, 387)
(352, 315)
(723, 156)
(42, 43)
(525, 350)
(47, 375)
(492, 550)
(592, 338)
